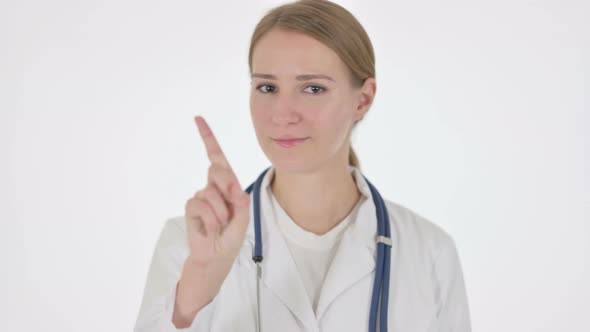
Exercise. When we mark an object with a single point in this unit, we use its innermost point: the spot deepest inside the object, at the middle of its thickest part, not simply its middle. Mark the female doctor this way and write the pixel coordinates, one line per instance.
(310, 245)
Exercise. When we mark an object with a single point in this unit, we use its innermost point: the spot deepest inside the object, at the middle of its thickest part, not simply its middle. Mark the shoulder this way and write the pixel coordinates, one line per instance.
(416, 233)
(429, 256)
(173, 239)
(173, 229)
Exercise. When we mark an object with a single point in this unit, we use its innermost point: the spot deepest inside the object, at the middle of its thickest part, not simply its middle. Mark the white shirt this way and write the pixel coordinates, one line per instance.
(312, 253)
(427, 291)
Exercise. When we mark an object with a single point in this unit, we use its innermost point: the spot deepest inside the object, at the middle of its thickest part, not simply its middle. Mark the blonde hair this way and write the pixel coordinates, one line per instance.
(332, 25)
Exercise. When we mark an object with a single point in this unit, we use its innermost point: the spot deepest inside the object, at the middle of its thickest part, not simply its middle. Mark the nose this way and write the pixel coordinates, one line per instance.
(284, 110)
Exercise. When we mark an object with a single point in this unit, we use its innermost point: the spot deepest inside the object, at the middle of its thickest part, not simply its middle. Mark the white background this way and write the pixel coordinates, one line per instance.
(480, 124)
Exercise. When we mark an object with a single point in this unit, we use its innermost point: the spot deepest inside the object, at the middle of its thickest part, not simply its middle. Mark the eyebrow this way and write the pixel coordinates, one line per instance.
(299, 77)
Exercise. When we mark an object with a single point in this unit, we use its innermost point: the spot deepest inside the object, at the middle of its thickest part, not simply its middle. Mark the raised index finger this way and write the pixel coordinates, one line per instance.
(214, 151)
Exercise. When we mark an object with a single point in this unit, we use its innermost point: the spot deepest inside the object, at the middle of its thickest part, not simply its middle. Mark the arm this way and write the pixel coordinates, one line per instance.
(453, 309)
(157, 309)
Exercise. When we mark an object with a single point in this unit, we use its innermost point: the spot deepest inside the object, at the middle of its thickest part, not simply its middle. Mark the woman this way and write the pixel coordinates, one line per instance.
(313, 79)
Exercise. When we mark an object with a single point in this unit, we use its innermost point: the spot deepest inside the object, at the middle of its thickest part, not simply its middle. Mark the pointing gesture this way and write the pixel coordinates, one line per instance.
(220, 211)
(214, 151)
(217, 218)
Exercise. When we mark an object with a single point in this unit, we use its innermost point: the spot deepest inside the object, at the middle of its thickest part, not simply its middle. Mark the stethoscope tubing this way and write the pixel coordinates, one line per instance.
(380, 296)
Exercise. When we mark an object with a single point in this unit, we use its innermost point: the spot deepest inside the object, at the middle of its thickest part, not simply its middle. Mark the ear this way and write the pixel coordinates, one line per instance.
(366, 97)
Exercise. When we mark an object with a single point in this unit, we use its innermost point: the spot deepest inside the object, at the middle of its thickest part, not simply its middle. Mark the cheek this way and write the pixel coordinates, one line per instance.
(335, 118)
(261, 114)
(257, 111)
(260, 106)
(336, 126)
(259, 122)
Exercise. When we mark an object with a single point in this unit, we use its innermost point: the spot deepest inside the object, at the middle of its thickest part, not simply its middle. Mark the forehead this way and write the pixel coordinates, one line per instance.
(288, 53)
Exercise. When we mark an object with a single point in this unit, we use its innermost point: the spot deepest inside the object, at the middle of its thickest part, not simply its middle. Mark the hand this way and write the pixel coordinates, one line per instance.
(217, 218)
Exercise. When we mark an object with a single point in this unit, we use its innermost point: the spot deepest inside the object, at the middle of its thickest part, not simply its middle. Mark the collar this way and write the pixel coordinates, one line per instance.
(354, 258)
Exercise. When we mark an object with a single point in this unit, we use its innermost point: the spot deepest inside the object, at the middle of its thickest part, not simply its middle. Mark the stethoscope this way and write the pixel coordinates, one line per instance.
(381, 284)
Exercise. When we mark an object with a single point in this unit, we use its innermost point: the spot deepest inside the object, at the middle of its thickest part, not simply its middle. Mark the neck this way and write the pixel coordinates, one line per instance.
(316, 201)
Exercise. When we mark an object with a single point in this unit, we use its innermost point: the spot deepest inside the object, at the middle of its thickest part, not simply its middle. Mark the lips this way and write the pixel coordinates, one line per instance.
(289, 142)
(288, 137)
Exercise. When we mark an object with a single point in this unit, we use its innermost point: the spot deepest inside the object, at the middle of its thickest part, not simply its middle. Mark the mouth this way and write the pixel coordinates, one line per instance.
(290, 142)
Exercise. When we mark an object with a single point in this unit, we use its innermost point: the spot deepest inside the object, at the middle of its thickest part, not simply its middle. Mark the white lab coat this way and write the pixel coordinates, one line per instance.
(427, 291)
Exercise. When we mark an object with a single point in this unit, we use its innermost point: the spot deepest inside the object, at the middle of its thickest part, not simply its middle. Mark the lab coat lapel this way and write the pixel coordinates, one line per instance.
(353, 260)
(279, 272)
(355, 256)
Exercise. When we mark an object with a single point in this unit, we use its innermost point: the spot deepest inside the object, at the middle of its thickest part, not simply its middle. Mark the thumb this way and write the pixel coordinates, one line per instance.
(240, 199)
(241, 216)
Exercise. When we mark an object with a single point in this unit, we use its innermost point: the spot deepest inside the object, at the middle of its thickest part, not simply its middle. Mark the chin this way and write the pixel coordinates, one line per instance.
(291, 162)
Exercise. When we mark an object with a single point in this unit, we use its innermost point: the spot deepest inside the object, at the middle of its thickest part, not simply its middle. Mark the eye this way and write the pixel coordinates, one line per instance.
(265, 90)
(316, 88)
